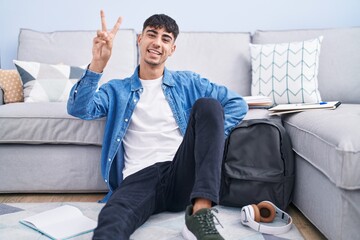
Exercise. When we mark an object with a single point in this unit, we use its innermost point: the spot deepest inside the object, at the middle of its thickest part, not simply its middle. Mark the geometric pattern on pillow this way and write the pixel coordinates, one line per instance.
(286, 72)
(11, 85)
(46, 82)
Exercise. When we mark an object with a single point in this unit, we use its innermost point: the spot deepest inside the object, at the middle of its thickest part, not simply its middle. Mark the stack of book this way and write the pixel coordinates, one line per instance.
(258, 101)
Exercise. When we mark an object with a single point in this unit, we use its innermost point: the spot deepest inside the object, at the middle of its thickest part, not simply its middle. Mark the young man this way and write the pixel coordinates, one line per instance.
(164, 134)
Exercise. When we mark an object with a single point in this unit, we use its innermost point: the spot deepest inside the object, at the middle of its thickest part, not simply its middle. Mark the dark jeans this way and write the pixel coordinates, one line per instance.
(195, 172)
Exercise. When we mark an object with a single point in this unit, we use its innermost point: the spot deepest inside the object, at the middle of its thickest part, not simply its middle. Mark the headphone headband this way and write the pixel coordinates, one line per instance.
(247, 218)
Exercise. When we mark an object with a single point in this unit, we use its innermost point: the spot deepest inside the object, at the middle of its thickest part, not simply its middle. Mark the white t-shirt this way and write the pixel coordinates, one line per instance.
(153, 134)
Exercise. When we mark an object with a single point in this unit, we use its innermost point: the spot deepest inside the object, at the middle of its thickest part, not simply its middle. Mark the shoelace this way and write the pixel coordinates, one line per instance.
(207, 222)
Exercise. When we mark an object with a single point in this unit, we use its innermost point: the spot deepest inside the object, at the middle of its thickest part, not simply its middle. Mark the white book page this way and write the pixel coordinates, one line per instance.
(258, 100)
(71, 227)
(53, 216)
(61, 222)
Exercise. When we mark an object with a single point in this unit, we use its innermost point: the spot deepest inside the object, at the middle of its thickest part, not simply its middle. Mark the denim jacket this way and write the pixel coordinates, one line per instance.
(117, 99)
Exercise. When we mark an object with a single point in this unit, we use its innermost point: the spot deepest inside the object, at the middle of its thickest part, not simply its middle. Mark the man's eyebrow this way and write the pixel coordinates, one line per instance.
(152, 30)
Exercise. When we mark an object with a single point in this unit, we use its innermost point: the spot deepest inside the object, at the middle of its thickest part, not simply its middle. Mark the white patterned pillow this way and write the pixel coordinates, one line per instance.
(286, 72)
(45, 82)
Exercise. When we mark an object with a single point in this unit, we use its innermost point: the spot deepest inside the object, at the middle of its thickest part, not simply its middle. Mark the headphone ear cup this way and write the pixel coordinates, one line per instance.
(257, 216)
(266, 211)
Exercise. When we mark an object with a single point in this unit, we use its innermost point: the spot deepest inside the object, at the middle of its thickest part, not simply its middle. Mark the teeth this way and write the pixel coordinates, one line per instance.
(156, 52)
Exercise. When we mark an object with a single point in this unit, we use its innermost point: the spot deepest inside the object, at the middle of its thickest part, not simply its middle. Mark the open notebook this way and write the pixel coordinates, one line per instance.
(61, 223)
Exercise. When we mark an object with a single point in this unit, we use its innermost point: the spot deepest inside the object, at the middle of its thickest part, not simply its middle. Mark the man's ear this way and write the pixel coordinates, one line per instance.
(173, 48)
(139, 38)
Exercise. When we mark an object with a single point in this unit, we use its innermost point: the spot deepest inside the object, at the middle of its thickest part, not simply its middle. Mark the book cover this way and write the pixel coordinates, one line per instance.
(61, 223)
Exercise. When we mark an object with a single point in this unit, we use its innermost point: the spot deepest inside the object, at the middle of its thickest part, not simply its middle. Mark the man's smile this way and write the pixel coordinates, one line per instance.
(154, 51)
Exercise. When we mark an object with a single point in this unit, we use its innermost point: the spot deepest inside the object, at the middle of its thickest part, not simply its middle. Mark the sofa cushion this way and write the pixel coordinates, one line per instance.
(74, 48)
(286, 72)
(329, 140)
(37, 123)
(339, 71)
(223, 58)
(11, 85)
(47, 83)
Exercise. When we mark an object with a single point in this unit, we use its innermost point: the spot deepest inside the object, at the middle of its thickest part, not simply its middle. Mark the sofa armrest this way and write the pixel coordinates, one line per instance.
(1, 97)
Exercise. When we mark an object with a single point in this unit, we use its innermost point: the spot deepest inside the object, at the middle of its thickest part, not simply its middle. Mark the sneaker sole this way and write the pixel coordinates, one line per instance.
(187, 234)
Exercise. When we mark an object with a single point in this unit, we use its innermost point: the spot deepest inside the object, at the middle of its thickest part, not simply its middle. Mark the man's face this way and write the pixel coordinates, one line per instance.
(156, 45)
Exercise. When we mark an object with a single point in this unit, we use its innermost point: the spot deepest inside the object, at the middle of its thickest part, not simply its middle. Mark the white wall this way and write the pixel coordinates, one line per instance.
(191, 15)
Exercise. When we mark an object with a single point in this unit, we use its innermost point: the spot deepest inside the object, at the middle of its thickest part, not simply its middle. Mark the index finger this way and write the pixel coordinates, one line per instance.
(103, 22)
(116, 26)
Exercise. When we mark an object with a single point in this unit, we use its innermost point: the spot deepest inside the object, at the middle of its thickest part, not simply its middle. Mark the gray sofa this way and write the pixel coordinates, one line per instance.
(43, 149)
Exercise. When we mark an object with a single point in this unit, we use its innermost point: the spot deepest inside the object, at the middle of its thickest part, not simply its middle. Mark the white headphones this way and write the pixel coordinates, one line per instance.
(265, 212)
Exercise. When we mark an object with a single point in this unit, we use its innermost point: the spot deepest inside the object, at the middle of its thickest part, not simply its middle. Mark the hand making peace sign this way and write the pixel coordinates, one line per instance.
(102, 45)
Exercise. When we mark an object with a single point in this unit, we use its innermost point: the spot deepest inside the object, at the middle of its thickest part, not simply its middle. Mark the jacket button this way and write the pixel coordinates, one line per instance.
(126, 119)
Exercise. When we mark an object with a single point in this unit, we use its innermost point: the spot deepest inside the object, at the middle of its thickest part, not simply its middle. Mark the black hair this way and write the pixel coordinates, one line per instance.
(162, 21)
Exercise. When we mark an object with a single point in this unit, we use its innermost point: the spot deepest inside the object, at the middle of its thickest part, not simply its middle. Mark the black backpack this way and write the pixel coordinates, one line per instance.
(258, 164)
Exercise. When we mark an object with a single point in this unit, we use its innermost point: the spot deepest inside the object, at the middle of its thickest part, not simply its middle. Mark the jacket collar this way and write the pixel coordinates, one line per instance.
(168, 78)
(136, 84)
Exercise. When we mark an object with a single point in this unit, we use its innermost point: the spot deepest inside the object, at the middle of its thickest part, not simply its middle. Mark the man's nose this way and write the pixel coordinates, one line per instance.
(156, 42)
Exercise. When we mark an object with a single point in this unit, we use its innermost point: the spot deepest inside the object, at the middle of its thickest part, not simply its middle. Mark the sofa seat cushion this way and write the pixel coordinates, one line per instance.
(39, 123)
(329, 140)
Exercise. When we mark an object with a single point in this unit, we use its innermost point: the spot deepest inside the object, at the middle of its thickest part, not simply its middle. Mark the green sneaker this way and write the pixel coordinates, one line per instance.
(201, 226)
